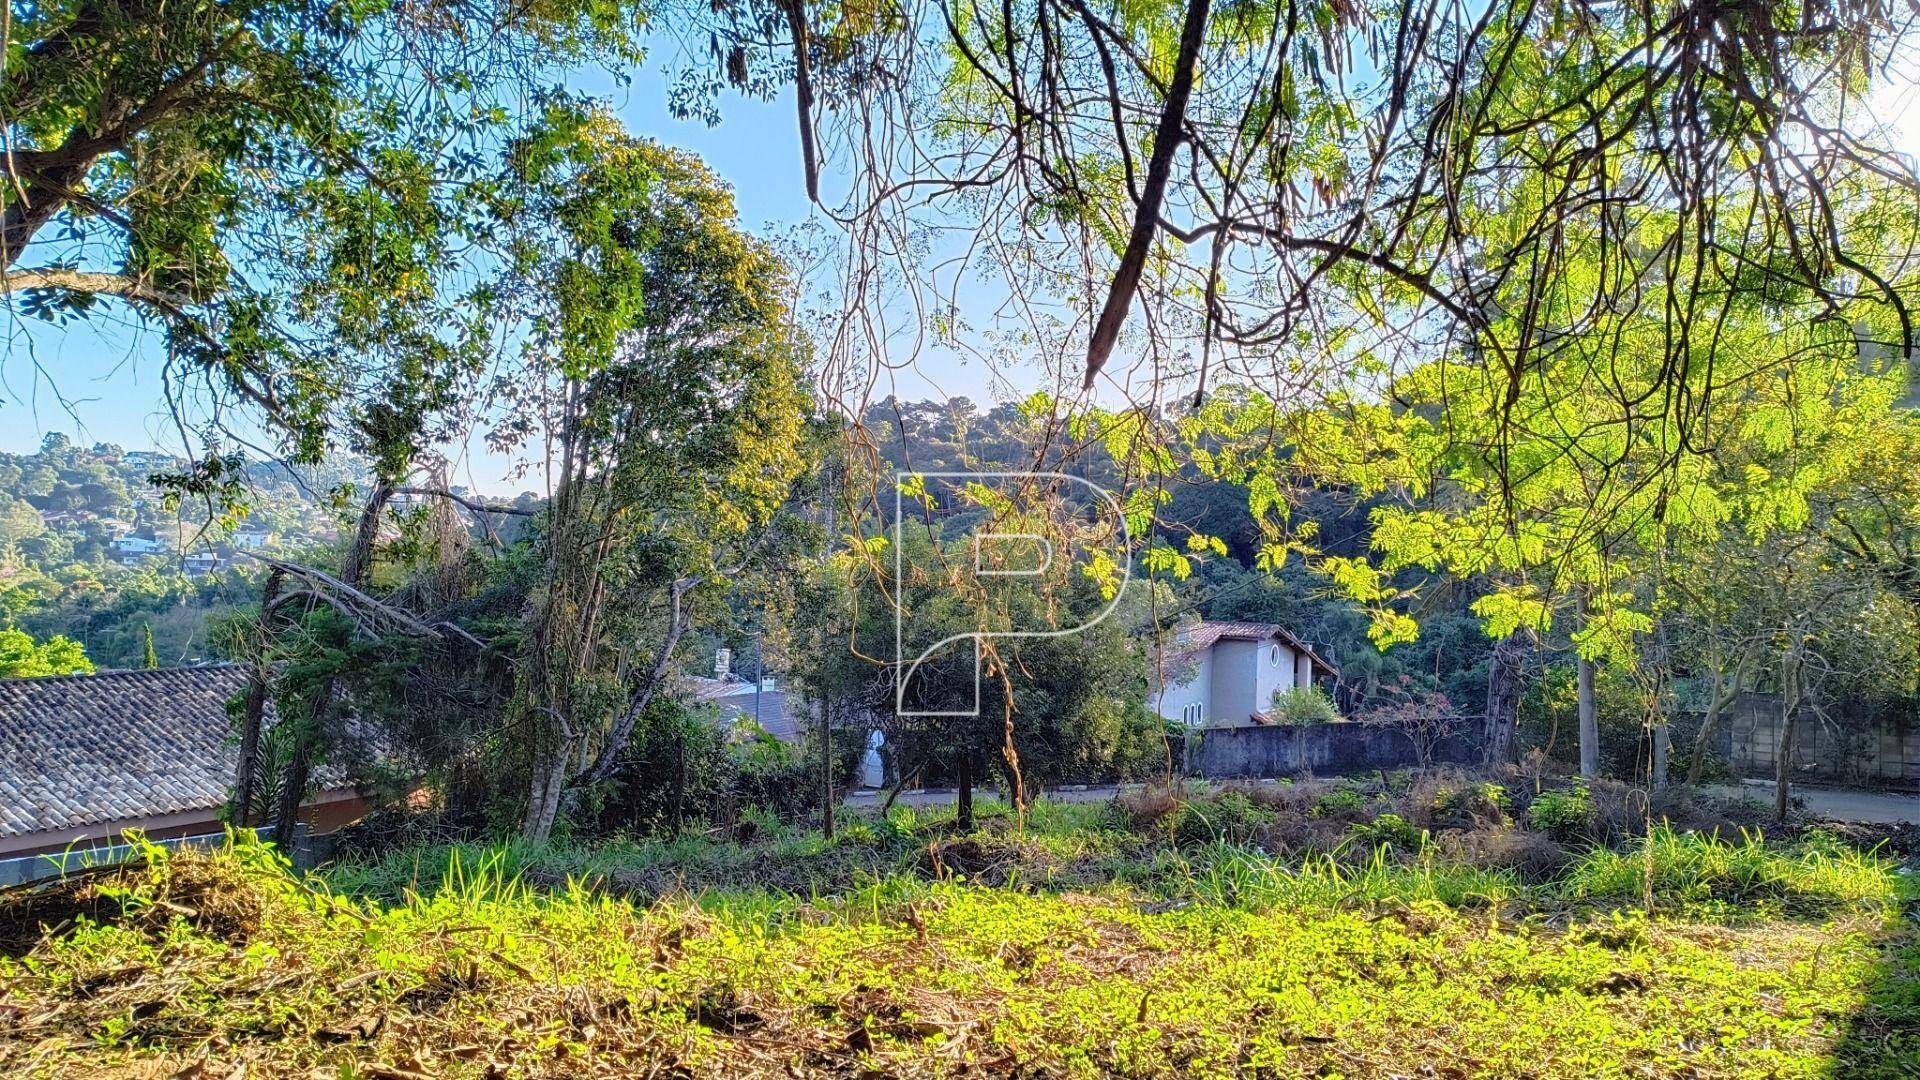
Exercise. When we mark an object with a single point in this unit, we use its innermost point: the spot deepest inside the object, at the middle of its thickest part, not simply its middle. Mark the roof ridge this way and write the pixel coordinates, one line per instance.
(113, 673)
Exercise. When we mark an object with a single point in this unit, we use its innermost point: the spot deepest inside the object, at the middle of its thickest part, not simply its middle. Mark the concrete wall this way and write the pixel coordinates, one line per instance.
(1321, 749)
(1875, 750)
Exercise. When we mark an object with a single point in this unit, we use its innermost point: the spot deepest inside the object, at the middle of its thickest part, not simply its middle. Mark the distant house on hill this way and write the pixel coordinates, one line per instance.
(84, 758)
(133, 549)
(200, 563)
(1225, 674)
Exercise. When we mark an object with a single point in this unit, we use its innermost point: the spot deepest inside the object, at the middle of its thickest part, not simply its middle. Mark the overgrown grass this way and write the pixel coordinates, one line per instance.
(1209, 959)
(1746, 878)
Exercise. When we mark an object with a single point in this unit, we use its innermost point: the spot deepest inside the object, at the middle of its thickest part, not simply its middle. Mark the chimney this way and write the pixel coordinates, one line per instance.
(722, 663)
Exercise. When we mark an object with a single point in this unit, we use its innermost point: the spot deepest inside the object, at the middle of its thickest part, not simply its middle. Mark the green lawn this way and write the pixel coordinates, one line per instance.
(1209, 960)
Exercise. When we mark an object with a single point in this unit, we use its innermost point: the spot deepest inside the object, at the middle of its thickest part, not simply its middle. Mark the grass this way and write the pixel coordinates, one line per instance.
(1212, 959)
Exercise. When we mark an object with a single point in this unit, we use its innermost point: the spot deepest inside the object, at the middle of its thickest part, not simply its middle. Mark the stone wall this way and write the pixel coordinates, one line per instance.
(1319, 749)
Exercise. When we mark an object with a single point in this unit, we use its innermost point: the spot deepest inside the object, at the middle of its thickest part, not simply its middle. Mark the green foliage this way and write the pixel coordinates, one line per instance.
(1566, 813)
(21, 657)
(1549, 717)
(1390, 831)
(1304, 705)
(1745, 878)
(1338, 803)
(264, 180)
(461, 938)
(1229, 817)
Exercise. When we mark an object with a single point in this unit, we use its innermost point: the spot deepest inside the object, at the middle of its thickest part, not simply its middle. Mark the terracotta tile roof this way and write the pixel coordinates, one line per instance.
(1201, 636)
(81, 750)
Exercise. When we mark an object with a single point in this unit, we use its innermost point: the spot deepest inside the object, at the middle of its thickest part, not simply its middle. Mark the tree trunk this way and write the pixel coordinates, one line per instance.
(1789, 713)
(622, 731)
(548, 782)
(1589, 722)
(292, 793)
(353, 573)
(826, 769)
(963, 803)
(244, 774)
(1723, 698)
(1661, 751)
(1503, 698)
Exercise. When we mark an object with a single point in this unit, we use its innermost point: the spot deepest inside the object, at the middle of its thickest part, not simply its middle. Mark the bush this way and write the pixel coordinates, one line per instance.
(1534, 857)
(1343, 802)
(1390, 831)
(1452, 800)
(1140, 810)
(1303, 705)
(1228, 816)
(1564, 813)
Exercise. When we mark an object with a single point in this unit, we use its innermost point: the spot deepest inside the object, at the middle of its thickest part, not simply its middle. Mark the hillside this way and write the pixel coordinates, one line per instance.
(92, 549)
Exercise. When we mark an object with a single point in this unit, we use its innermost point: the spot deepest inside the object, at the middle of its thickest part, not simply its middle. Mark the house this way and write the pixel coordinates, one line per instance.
(1225, 674)
(200, 564)
(739, 700)
(83, 758)
(251, 539)
(134, 550)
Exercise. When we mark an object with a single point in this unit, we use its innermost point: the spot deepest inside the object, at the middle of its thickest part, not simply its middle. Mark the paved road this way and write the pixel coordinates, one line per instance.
(1844, 805)
(1840, 804)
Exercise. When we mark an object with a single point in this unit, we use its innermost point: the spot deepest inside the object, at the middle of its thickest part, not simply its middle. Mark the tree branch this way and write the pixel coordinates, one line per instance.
(1146, 219)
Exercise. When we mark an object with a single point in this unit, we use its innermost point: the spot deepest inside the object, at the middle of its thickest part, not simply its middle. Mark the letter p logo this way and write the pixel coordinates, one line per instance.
(980, 558)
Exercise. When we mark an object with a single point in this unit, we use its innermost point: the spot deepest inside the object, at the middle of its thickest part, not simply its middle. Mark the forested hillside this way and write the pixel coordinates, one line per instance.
(96, 547)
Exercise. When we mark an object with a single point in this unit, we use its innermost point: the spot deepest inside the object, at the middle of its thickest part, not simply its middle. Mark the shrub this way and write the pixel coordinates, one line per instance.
(1303, 705)
(1228, 816)
(1564, 813)
(1452, 800)
(1141, 810)
(1342, 802)
(1390, 831)
(1534, 857)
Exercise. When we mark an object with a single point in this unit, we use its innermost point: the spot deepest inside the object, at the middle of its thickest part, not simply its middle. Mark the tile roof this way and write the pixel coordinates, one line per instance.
(1201, 636)
(79, 750)
(776, 715)
(735, 697)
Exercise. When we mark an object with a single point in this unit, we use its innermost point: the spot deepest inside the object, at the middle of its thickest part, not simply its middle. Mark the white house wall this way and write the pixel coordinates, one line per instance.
(1235, 683)
(1275, 672)
(1172, 702)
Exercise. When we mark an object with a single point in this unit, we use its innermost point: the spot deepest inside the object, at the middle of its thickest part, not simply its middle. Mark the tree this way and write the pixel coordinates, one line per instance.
(1213, 169)
(265, 180)
(661, 356)
(21, 657)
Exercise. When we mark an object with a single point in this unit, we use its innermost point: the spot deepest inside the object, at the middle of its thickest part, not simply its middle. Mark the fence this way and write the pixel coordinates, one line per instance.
(1857, 747)
(1321, 749)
